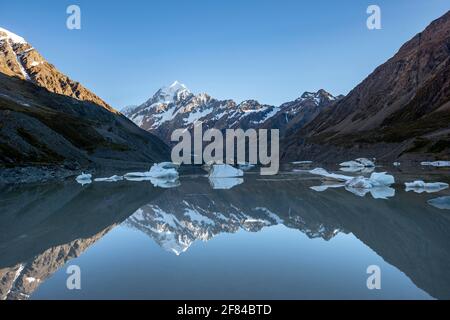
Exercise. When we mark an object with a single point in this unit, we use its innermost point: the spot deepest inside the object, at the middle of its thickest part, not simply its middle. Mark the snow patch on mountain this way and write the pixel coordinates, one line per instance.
(14, 38)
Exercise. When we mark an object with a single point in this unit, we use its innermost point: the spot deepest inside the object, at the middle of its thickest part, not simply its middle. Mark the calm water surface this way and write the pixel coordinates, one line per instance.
(265, 238)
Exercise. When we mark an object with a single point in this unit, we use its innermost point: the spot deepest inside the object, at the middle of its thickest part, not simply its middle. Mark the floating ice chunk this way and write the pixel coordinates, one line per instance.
(440, 203)
(110, 179)
(302, 162)
(351, 164)
(357, 169)
(378, 185)
(359, 183)
(225, 183)
(84, 178)
(325, 187)
(396, 164)
(360, 186)
(366, 162)
(162, 170)
(332, 176)
(380, 179)
(420, 186)
(382, 192)
(436, 163)
(164, 183)
(377, 192)
(360, 162)
(246, 166)
(377, 179)
(225, 171)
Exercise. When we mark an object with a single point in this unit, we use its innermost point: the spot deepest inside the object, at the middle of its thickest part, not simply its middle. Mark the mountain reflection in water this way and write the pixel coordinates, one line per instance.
(43, 227)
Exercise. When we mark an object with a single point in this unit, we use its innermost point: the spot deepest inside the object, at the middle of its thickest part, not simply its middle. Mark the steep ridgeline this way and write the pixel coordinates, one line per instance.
(18, 58)
(46, 118)
(175, 107)
(296, 114)
(401, 110)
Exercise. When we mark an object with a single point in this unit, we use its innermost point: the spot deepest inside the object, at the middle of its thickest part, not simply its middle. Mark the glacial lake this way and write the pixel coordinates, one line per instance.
(264, 238)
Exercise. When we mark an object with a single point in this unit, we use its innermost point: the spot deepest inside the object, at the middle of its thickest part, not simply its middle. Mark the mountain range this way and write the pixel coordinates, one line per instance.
(176, 107)
(400, 111)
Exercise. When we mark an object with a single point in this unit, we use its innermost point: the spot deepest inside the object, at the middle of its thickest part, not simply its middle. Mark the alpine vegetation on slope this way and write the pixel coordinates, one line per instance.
(401, 110)
(175, 107)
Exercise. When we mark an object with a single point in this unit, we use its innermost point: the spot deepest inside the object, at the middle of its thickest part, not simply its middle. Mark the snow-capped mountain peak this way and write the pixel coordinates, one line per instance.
(176, 107)
(175, 92)
(317, 97)
(12, 37)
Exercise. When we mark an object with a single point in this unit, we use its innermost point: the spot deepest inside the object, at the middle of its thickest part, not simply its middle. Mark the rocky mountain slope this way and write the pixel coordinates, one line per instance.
(401, 110)
(46, 118)
(18, 58)
(176, 107)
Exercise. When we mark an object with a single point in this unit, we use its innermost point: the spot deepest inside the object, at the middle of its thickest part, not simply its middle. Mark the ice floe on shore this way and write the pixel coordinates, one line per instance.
(441, 203)
(420, 186)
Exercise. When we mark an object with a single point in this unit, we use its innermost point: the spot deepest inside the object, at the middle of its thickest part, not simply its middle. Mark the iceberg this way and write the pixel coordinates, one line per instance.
(360, 162)
(110, 179)
(246, 166)
(357, 169)
(325, 187)
(376, 193)
(302, 162)
(333, 176)
(441, 203)
(225, 183)
(225, 171)
(159, 170)
(420, 186)
(436, 163)
(164, 183)
(378, 183)
(162, 175)
(380, 179)
(84, 178)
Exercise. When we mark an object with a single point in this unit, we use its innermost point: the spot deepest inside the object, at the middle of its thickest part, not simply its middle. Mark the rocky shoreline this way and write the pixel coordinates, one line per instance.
(24, 175)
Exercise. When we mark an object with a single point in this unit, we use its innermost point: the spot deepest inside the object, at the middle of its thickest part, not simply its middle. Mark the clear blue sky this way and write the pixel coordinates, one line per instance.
(271, 51)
